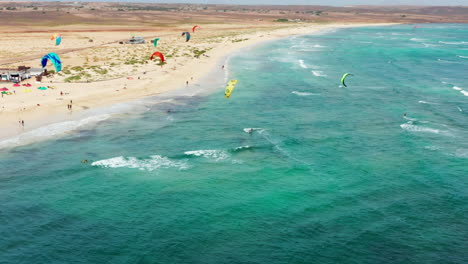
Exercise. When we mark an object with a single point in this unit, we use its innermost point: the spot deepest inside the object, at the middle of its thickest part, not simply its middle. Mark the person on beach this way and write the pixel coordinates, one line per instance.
(22, 123)
(186, 83)
(222, 67)
(61, 93)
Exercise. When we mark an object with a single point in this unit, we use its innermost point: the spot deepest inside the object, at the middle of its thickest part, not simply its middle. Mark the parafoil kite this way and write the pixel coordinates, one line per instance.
(230, 88)
(344, 77)
(58, 40)
(187, 36)
(57, 37)
(193, 29)
(54, 58)
(155, 42)
(159, 54)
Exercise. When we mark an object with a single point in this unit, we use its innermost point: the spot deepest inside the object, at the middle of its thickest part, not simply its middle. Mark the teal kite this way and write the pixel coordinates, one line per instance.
(155, 42)
(187, 36)
(58, 40)
(54, 58)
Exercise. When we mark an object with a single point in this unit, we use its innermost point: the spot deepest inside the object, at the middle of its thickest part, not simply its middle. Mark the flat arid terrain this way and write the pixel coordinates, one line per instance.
(99, 68)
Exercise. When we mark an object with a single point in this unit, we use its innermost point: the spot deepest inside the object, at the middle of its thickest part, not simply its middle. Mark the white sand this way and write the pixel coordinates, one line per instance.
(173, 75)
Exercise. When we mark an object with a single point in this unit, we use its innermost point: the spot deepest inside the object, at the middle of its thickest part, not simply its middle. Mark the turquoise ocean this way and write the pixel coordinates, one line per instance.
(329, 174)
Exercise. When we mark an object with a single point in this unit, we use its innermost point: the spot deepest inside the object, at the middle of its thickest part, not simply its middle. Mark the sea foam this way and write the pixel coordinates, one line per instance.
(302, 93)
(414, 128)
(212, 154)
(153, 163)
(302, 64)
(51, 131)
(454, 43)
(318, 74)
(424, 102)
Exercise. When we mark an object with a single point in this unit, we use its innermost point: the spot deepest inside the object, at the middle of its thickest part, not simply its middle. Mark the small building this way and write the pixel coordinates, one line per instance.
(19, 74)
(36, 71)
(13, 75)
(136, 40)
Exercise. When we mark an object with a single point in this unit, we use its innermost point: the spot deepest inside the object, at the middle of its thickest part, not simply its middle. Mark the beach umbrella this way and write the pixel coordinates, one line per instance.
(28, 85)
(16, 85)
(4, 92)
(4, 89)
(42, 88)
(27, 90)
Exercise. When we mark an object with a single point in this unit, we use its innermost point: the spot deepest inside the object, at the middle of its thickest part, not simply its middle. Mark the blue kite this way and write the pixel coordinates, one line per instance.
(54, 58)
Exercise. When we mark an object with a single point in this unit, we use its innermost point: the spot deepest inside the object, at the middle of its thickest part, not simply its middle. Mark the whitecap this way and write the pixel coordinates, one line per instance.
(464, 57)
(415, 128)
(302, 93)
(465, 93)
(153, 163)
(429, 45)
(454, 43)
(461, 153)
(213, 154)
(318, 74)
(424, 102)
(242, 148)
(432, 147)
(51, 131)
(417, 39)
(459, 109)
(302, 64)
(457, 88)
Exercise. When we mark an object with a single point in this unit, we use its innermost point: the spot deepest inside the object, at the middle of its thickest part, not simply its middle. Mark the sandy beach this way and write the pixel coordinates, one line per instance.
(125, 82)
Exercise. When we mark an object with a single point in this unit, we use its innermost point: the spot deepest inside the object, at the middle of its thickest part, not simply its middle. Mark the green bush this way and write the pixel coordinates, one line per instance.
(72, 78)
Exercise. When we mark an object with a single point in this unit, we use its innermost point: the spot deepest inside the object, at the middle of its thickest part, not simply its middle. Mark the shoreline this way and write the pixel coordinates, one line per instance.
(104, 94)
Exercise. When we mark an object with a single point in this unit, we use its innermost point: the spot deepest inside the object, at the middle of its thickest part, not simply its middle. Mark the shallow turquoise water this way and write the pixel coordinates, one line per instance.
(329, 175)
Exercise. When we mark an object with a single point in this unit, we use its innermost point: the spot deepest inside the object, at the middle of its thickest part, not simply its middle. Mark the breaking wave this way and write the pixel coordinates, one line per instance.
(51, 131)
(212, 154)
(454, 43)
(302, 64)
(302, 93)
(318, 74)
(153, 163)
(414, 128)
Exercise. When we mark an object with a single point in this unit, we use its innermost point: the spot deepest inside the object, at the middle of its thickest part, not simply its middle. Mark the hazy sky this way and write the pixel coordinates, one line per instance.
(301, 2)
